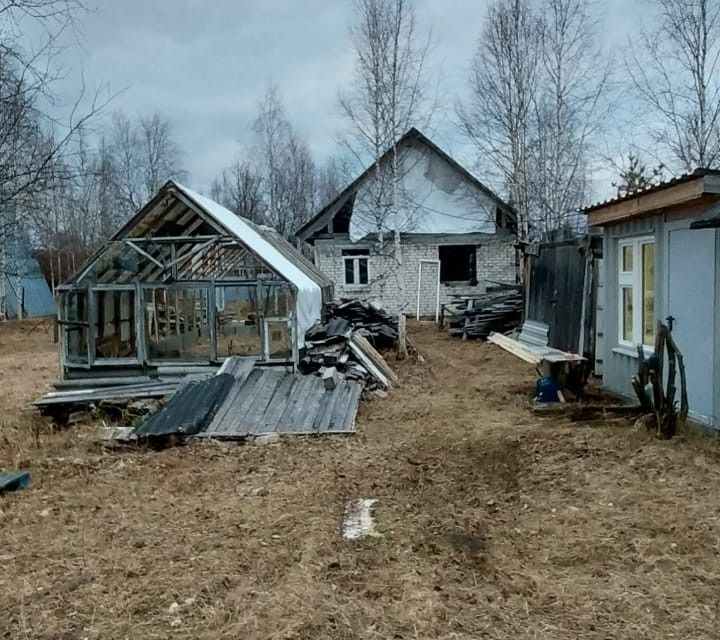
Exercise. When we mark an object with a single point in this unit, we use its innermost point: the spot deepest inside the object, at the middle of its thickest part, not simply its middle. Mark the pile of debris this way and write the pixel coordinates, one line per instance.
(377, 326)
(246, 398)
(478, 316)
(347, 345)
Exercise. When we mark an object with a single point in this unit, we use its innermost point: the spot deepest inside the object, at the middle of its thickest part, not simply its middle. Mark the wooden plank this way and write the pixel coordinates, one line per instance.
(562, 356)
(322, 418)
(514, 347)
(369, 366)
(337, 418)
(224, 413)
(330, 378)
(645, 203)
(296, 400)
(275, 410)
(356, 391)
(265, 391)
(231, 419)
(375, 356)
(314, 399)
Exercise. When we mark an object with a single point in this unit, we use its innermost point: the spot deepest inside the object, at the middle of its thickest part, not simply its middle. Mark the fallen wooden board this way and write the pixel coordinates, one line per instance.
(117, 434)
(515, 348)
(531, 354)
(369, 366)
(374, 356)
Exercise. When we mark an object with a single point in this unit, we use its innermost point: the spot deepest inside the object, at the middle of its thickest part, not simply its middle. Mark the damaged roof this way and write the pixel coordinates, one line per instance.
(412, 135)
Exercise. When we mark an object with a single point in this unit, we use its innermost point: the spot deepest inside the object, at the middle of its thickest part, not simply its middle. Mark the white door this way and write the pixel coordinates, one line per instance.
(691, 302)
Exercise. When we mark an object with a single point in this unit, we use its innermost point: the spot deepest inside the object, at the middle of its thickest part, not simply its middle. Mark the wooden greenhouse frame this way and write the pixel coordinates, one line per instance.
(153, 301)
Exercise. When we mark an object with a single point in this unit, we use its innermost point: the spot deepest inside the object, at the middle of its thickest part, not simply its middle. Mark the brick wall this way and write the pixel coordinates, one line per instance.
(398, 289)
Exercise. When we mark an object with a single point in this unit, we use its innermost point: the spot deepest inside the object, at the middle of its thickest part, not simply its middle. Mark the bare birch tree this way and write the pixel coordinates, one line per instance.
(570, 109)
(330, 179)
(32, 141)
(503, 90)
(30, 138)
(674, 70)
(388, 97)
(144, 156)
(538, 98)
(161, 154)
(286, 167)
(240, 189)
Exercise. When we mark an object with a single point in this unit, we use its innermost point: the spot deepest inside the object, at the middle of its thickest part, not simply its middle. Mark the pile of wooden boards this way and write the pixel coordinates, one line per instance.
(61, 405)
(379, 327)
(347, 346)
(478, 316)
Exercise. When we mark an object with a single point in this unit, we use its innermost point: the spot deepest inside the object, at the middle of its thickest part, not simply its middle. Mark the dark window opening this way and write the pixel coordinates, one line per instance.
(458, 263)
(341, 221)
(505, 220)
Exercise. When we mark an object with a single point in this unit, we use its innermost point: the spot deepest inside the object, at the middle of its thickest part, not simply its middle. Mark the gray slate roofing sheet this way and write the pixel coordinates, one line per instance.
(190, 409)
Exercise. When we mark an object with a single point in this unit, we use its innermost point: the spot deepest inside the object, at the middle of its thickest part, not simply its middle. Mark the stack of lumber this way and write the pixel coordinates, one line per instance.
(347, 345)
(379, 327)
(478, 316)
(118, 393)
(351, 357)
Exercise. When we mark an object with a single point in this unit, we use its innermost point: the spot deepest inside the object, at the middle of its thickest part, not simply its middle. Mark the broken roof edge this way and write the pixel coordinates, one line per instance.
(305, 230)
(282, 245)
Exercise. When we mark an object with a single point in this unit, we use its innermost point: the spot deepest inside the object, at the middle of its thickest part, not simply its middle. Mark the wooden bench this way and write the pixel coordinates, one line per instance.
(549, 362)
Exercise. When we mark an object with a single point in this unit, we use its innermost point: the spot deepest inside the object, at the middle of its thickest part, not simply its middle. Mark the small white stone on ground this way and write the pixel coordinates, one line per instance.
(358, 522)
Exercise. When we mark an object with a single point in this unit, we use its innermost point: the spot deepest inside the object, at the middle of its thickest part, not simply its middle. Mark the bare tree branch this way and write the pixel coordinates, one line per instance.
(674, 71)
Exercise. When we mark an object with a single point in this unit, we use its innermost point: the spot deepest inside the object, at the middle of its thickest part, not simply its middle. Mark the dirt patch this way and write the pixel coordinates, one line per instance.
(494, 523)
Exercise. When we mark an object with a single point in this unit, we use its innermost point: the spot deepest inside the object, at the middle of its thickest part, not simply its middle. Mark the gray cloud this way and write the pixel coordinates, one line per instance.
(205, 65)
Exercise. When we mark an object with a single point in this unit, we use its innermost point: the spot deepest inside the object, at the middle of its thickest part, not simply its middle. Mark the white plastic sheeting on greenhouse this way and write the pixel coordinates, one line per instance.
(309, 293)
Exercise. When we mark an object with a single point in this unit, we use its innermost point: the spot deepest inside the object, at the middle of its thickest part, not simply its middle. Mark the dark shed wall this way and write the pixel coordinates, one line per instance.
(556, 291)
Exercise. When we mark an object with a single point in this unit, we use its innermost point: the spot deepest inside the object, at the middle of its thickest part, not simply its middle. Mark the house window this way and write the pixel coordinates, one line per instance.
(636, 278)
(355, 262)
(458, 263)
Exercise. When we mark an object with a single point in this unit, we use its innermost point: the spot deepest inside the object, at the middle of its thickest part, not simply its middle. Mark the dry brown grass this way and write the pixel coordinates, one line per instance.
(496, 523)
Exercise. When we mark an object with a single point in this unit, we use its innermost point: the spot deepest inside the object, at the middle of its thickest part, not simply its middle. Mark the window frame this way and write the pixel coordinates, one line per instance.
(355, 258)
(633, 280)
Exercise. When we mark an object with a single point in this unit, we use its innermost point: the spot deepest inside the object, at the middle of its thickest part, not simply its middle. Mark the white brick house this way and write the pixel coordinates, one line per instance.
(456, 236)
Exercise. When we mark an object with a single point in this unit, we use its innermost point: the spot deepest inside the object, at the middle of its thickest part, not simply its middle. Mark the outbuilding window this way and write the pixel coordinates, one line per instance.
(355, 262)
(457, 263)
(636, 278)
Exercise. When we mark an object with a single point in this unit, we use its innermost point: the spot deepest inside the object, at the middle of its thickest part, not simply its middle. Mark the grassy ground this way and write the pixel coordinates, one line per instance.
(495, 523)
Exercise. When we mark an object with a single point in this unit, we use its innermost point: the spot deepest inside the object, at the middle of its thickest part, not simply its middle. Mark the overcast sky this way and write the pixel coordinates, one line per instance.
(205, 64)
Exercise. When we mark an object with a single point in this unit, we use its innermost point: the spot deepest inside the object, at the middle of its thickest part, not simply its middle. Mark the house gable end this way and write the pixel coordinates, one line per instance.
(322, 223)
